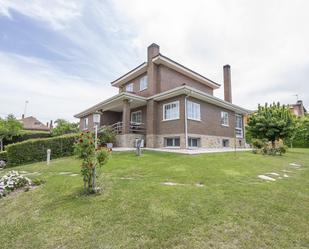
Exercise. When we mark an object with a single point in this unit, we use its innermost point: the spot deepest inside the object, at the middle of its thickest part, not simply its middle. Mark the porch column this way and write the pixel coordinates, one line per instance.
(151, 123)
(126, 117)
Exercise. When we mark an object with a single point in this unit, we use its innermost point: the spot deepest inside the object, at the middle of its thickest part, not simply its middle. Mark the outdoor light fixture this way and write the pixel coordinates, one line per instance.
(96, 118)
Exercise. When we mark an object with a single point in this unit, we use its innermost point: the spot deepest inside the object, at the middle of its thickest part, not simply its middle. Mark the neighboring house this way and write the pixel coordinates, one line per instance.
(298, 109)
(169, 105)
(31, 123)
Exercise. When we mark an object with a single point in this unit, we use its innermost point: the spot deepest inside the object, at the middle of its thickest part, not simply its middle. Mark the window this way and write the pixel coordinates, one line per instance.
(238, 126)
(172, 142)
(136, 117)
(171, 111)
(143, 83)
(85, 123)
(224, 118)
(194, 110)
(225, 143)
(129, 87)
(193, 142)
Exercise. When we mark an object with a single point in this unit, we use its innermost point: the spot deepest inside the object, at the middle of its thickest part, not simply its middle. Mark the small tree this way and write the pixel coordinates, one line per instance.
(85, 149)
(9, 127)
(271, 122)
(64, 127)
(301, 138)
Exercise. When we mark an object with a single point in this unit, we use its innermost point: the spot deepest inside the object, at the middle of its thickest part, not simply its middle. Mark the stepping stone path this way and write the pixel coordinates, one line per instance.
(65, 173)
(199, 185)
(295, 165)
(126, 178)
(172, 184)
(267, 178)
(272, 173)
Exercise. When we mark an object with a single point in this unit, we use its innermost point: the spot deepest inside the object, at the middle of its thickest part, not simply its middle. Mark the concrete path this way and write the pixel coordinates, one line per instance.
(185, 151)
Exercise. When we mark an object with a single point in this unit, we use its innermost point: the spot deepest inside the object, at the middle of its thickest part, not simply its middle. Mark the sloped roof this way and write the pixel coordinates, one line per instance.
(31, 123)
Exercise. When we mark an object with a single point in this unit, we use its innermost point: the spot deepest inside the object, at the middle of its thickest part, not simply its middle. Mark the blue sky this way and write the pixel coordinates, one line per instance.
(62, 55)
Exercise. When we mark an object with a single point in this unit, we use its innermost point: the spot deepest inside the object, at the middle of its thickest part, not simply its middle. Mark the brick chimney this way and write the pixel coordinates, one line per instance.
(227, 83)
(153, 50)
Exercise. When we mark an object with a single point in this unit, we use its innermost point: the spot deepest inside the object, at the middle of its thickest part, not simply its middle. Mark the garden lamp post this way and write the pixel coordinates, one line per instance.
(96, 122)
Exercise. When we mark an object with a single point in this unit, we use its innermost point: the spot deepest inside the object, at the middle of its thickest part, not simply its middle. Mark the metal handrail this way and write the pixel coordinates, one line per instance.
(133, 127)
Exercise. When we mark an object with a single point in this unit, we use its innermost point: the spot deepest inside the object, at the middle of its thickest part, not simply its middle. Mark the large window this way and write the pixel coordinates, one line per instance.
(238, 126)
(224, 119)
(85, 123)
(194, 110)
(171, 111)
(129, 87)
(136, 117)
(143, 83)
(172, 142)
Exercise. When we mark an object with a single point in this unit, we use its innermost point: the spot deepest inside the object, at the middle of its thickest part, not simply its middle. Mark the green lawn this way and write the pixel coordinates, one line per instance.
(234, 209)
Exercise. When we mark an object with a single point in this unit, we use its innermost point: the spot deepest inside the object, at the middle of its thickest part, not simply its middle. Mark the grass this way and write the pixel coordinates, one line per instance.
(234, 209)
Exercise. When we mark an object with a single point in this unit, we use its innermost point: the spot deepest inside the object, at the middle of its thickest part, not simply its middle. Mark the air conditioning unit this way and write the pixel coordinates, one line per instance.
(142, 142)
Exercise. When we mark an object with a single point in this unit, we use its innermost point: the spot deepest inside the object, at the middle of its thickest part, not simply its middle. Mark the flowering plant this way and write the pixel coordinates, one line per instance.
(11, 181)
(85, 149)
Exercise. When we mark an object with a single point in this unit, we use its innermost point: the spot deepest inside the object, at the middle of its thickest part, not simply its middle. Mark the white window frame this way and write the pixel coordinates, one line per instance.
(136, 112)
(197, 144)
(239, 128)
(129, 87)
(143, 83)
(225, 118)
(193, 112)
(177, 111)
(173, 146)
(85, 123)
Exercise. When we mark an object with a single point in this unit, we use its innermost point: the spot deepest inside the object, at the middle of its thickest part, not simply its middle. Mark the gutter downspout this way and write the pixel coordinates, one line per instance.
(186, 123)
(186, 119)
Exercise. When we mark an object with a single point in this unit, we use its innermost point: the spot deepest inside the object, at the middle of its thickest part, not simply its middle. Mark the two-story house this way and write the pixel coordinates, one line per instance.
(169, 105)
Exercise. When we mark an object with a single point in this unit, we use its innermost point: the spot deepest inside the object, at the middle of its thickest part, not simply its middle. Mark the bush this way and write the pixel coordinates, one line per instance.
(26, 135)
(266, 148)
(258, 143)
(3, 156)
(107, 135)
(11, 181)
(34, 150)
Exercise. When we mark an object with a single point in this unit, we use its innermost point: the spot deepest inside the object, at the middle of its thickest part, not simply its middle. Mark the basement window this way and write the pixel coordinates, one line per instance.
(225, 143)
(172, 142)
(193, 142)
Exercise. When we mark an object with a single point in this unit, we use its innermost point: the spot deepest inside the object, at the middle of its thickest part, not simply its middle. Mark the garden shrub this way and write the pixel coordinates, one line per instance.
(268, 148)
(11, 181)
(26, 135)
(107, 135)
(34, 150)
(3, 156)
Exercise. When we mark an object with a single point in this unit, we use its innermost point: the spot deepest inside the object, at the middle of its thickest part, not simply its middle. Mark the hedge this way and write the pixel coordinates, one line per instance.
(34, 150)
(3, 156)
(26, 135)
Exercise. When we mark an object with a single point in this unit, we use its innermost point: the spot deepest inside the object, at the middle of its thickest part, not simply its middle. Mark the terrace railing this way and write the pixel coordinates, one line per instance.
(138, 128)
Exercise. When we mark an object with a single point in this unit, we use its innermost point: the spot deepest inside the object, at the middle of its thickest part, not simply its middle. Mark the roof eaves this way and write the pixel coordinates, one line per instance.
(141, 66)
(186, 68)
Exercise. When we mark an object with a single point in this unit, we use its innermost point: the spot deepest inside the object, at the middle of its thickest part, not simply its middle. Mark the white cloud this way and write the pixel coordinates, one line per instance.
(265, 42)
(51, 93)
